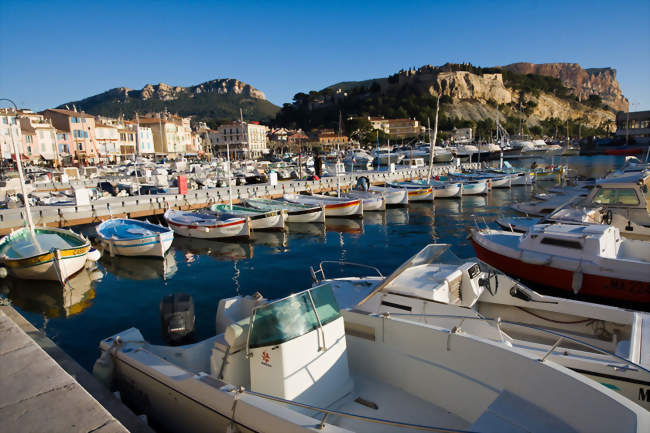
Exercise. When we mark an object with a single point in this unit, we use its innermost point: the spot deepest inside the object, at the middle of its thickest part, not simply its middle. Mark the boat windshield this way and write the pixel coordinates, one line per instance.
(292, 317)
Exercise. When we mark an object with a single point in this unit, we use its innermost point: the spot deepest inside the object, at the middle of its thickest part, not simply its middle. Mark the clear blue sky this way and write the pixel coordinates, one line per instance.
(54, 52)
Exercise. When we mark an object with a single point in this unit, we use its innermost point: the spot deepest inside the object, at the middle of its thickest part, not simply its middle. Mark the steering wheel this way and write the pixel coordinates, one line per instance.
(487, 283)
(607, 217)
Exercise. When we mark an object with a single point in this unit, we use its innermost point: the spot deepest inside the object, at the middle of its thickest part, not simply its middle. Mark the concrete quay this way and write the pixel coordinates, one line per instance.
(148, 205)
(44, 390)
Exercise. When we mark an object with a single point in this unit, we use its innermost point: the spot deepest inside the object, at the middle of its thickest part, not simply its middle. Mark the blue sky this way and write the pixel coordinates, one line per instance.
(54, 52)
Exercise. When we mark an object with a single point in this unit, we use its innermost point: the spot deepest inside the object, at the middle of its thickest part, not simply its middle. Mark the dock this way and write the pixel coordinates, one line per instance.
(152, 205)
(44, 390)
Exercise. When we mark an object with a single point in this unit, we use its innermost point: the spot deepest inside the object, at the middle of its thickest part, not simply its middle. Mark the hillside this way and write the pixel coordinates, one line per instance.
(470, 96)
(216, 99)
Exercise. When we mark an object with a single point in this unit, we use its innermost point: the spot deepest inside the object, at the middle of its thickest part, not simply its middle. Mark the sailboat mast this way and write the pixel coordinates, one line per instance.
(228, 176)
(433, 140)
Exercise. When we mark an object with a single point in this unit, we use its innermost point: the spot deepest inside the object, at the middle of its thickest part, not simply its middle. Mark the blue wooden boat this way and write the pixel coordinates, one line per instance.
(128, 237)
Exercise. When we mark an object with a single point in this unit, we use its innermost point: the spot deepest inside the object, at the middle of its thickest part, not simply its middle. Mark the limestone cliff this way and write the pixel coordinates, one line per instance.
(584, 82)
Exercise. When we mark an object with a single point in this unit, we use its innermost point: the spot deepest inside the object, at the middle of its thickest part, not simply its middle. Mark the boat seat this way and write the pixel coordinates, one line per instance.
(512, 414)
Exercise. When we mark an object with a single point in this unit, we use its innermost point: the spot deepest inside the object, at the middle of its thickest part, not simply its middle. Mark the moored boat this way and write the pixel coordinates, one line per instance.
(416, 192)
(257, 219)
(44, 253)
(296, 213)
(590, 261)
(299, 363)
(129, 237)
(334, 207)
(206, 225)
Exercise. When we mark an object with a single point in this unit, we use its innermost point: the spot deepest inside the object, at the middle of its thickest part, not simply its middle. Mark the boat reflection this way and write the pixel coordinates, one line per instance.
(50, 298)
(422, 208)
(220, 250)
(140, 268)
(309, 229)
(448, 206)
(374, 218)
(473, 201)
(344, 225)
(397, 215)
(277, 240)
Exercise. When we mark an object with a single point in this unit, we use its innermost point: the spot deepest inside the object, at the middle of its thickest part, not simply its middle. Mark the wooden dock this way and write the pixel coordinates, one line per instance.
(149, 205)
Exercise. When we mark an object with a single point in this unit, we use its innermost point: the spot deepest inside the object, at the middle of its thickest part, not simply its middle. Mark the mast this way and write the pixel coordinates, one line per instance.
(228, 175)
(433, 140)
(137, 143)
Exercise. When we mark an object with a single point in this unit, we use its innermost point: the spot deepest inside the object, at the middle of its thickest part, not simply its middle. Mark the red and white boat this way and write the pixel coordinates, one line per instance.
(592, 260)
(206, 226)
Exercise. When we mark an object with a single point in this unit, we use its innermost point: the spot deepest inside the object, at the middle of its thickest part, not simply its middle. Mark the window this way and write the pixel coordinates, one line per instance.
(293, 317)
(605, 196)
(564, 243)
(83, 120)
(627, 197)
(5, 121)
(41, 135)
(80, 146)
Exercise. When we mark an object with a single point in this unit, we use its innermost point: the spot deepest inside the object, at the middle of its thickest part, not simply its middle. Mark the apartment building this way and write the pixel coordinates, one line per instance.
(39, 136)
(9, 130)
(245, 139)
(108, 141)
(172, 135)
(81, 127)
(396, 128)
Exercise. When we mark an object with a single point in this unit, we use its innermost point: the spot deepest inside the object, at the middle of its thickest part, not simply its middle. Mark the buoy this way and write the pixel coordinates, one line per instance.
(94, 255)
(3, 272)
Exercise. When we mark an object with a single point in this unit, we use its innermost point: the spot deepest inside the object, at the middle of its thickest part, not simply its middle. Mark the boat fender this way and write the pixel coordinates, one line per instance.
(104, 368)
(576, 282)
(3, 272)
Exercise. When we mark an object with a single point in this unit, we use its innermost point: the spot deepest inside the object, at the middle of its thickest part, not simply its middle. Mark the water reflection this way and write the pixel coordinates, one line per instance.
(397, 216)
(310, 229)
(448, 205)
(344, 225)
(50, 298)
(278, 241)
(221, 250)
(141, 268)
(374, 218)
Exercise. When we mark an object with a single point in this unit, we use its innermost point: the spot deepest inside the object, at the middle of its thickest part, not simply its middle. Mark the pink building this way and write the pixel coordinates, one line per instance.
(81, 127)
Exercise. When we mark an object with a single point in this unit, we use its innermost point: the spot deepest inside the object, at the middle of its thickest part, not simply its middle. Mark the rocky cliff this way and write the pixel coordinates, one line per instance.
(220, 98)
(584, 82)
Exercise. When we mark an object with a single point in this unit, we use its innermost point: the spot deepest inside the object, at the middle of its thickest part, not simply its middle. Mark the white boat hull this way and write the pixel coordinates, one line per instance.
(475, 188)
(53, 270)
(333, 207)
(447, 191)
(393, 196)
(314, 215)
(268, 222)
(152, 246)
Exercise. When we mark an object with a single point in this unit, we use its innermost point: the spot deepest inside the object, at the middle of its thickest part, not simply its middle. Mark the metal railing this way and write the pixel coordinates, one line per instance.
(321, 271)
(328, 412)
(629, 365)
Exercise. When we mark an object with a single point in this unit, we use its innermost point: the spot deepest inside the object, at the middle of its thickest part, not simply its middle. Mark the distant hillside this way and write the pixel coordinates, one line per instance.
(216, 99)
(471, 96)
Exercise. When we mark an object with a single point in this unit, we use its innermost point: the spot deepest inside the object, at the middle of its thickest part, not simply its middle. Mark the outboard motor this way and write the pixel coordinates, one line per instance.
(177, 318)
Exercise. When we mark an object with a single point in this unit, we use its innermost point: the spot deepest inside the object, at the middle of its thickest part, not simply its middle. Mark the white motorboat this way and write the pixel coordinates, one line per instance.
(607, 344)
(129, 237)
(443, 189)
(334, 207)
(299, 364)
(296, 213)
(206, 225)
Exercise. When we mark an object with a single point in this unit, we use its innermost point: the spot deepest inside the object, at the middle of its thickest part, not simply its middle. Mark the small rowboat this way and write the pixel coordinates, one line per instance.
(258, 219)
(371, 201)
(128, 237)
(334, 207)
(416, 192)
(206, 225)
(296, 213)
(44, 253)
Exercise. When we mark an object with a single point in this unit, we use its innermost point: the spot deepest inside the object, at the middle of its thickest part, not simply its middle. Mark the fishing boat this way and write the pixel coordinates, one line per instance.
(416, 192)
(206, 225)
(300, 363)
(372, 201)
(393, 196)
(334, 207)
(605, 343)
(443, 189)
(257, 219)
(129, 237)
(44, 253)
(591, 261)
(296, 213)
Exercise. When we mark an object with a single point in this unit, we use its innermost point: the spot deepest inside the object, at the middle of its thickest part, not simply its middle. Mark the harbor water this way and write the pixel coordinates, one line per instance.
(126, 292)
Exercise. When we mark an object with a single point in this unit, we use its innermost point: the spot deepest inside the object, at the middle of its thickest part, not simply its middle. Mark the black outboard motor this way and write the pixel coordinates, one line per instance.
(177, 318)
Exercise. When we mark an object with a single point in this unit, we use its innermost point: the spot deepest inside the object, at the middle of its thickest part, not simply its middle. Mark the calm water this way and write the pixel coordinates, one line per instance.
(275, 264)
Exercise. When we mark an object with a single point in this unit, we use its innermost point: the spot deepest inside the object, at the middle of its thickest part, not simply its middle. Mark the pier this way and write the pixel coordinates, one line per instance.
(150, 205)
(43, 389)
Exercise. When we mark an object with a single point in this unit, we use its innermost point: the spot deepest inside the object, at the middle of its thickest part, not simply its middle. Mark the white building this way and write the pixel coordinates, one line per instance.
(247, 139)
(145, 141)
(108, 141)
(9, 127)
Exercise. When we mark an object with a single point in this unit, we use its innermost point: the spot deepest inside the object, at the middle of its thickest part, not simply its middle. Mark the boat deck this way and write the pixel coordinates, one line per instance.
(393, 404)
